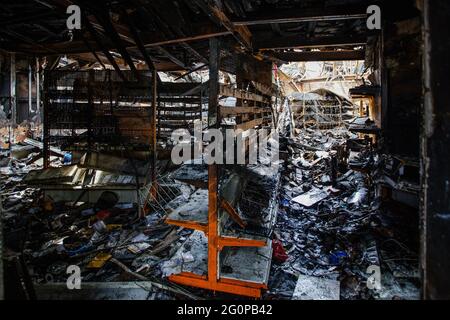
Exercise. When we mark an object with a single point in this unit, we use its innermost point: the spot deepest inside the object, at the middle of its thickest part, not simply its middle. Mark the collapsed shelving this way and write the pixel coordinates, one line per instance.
(87, 178)
(320, 109)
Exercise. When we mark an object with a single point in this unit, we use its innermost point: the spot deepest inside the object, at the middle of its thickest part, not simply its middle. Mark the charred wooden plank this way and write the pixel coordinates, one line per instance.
(321, 55)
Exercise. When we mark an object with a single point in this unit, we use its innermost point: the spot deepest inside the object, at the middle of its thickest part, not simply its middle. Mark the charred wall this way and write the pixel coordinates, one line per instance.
(21, 70)
(402, 80)
(436, 152)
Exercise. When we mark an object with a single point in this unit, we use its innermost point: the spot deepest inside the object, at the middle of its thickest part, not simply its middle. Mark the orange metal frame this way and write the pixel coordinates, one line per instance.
(215, 244)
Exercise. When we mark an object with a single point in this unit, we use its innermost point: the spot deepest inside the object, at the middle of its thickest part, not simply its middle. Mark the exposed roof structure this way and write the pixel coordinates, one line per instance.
(173, 34)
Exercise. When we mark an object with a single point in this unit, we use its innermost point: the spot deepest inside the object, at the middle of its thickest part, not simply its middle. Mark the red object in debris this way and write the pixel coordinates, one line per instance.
(103, 214)
(279, 253)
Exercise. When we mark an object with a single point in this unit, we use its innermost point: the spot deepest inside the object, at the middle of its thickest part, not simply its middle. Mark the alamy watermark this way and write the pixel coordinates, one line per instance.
(374, 17)
(73, 22)
(374, 279)
(74, 279)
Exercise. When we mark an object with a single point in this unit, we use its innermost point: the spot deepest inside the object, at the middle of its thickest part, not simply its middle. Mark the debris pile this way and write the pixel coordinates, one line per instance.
(321, 109)
(112, 245)
(107, 240)
(331, 230)
(329, 223)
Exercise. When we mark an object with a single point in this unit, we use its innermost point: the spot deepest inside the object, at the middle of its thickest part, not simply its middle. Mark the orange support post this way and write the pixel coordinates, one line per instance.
(212, 222)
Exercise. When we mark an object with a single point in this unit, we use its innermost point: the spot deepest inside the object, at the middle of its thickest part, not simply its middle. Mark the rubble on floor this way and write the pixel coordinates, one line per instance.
(330, 227)
(51, 235)
(314, 288)
(111, 244)
(333, 228)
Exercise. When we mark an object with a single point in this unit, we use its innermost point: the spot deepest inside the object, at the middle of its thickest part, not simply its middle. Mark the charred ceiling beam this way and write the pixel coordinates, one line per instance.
(168, 17)
(164, 66)
(40, 25)
(150, 40)
(215, 12)
(191, 71)
(87, 44)
(172, 25)
(75, 47)
(197, 32)
(121, 47)
(311, 29)
(137, 38)
(26, 19)
(194, 52)
(321, 55)
(105, 51)
(159, 41)
(172, 58)
(152, 13)
(296, 15)
(15, 35)
(301, 42)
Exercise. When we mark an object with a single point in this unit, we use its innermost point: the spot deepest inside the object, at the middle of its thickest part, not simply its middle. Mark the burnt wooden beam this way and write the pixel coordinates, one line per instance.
(194, 52)
(204, 36)
(15, 35)
(311, 29)
(93, 52)
(172, 26)
(213, 102)
(227, 91)
(249, 68)
(105, 51)
(172, 58)
(233, 111)
(301, 42)
(297, 15)
(112, 33)
(59, 6)
(161, 14)
(321, 55)
(138, 41)
(75, 47)
(191, 71)
(43, 28)
(201, 31)
(27, 19)
(251, 124)
(13, 88)
(216, 14)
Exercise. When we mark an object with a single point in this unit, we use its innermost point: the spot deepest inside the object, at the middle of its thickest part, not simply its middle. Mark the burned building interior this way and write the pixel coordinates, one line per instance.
(355, 207)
